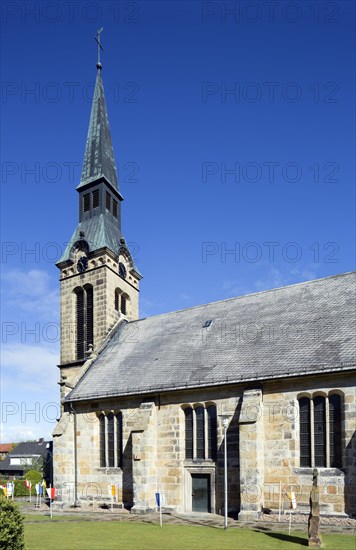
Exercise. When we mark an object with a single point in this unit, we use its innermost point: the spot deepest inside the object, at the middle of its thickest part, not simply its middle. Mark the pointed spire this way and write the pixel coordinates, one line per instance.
(99, 155)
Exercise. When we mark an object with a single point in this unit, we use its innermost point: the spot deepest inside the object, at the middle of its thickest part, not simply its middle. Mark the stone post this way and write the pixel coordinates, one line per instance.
(251, 442)
(314, 539)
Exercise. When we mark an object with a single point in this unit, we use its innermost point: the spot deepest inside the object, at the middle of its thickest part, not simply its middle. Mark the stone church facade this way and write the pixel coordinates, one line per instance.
(142, 400)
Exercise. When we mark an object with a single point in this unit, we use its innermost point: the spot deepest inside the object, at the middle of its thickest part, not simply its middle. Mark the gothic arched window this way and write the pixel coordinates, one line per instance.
(110, 440)
(320, 431)
(212, 432)
(200, 432)
(102, 440)
(188, 433)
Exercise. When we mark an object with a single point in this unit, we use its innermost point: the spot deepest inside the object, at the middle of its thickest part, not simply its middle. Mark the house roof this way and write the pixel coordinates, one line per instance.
(299, 329)
(24, 449)
(30, 448)
(6, 447)
(6, 467)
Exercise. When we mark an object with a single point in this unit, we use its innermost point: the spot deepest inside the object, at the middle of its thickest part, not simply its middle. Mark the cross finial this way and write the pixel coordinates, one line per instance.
(97, 38)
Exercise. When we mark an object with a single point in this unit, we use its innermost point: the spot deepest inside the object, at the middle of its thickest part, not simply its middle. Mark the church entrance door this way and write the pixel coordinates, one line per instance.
(201, 492)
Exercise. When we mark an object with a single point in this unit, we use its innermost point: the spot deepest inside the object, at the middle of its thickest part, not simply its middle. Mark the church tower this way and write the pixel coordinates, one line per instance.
(99, 282)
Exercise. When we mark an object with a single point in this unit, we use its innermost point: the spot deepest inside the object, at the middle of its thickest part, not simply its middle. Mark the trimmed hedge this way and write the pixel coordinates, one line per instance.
(11, 521)
(20, 488)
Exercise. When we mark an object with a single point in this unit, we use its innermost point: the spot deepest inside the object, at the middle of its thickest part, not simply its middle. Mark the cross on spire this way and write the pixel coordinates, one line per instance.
(97, 38)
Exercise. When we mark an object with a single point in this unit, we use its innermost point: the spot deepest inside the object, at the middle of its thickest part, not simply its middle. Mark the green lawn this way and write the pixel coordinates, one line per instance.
(80, 535)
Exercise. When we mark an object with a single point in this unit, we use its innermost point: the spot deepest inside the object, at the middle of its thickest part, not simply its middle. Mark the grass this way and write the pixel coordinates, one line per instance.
(95, 535)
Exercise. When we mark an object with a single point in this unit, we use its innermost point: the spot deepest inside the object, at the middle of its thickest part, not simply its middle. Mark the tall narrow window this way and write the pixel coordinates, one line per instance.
(108, 201)
(84, 320)
(89, 317)
(86, 202)
(188, 433)
(123, 305)
(111, 449)
(117, 299)
(319, 431)
(111, 441)
(95, 198)
(200, 433)
(80, 344)
(212, 432)
(114, 208)
(102, 441)
(316, 430)
(304, 432)
(335, 430)
(119, 439)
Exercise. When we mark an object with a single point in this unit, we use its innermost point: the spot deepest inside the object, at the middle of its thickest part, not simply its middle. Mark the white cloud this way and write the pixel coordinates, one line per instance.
(276, 278)
(30, 291)
(30, 395)
(17, 433)
(31, 368)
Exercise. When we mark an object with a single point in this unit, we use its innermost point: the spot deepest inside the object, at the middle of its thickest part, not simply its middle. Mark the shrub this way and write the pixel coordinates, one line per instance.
(11, 521)
(20, 488)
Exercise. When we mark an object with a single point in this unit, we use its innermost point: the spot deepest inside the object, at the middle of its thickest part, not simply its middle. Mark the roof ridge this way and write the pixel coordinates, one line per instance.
(246, 295)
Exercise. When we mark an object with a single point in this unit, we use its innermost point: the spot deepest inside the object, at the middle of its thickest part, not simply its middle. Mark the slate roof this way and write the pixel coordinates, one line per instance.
(30, 448)
(99, 155)
(24, 449)
(100, 231)
(290, 331)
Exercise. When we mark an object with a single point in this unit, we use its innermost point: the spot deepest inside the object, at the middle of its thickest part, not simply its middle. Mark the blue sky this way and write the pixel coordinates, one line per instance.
(234, 136)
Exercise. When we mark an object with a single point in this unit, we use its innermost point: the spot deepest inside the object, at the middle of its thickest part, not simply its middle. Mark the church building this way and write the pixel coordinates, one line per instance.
(148, 404)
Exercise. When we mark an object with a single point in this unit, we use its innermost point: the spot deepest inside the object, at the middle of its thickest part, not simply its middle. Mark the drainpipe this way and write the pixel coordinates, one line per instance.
(72, 410)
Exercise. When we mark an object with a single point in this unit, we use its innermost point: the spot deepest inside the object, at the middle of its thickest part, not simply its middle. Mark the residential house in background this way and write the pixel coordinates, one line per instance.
(26, 456)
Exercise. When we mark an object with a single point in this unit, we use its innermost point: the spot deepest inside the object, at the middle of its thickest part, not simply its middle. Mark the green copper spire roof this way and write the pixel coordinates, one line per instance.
(99, 155)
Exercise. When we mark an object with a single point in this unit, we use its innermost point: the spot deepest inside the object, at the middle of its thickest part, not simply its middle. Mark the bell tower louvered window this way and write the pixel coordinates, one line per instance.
(114, 208)
(80, 323)
(320, 431)
(117, 300)
(96, 198)
(108, 201)
(86, 202)
(123, 305)
(84, 320)
(89, 317)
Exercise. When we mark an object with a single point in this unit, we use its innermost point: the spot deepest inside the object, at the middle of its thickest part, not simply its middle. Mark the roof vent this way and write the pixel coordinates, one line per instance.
(208, 323)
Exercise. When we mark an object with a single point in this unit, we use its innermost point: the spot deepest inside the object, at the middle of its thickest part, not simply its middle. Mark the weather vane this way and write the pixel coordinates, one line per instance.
(97, 38)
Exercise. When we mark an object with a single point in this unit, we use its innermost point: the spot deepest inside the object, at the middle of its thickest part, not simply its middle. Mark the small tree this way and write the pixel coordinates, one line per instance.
(11, 521)
(30, 475)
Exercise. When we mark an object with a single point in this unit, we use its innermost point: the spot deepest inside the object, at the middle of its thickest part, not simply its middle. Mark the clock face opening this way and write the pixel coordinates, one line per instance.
(122, 270)
(82, 264)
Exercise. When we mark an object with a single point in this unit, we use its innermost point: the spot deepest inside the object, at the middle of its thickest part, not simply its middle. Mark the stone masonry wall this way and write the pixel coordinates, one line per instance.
(154, 450)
